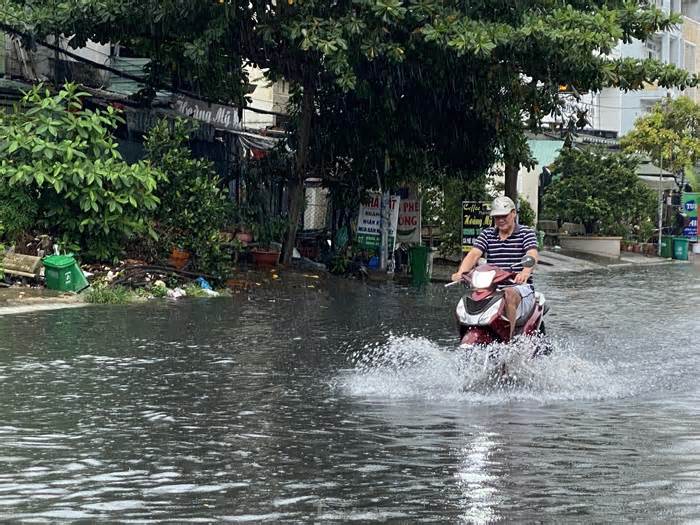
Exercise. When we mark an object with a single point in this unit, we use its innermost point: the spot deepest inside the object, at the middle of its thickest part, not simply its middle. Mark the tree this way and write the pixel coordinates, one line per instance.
(193, 209)
(507, 62)
(601, 190)
(669, 134)
(67, 158)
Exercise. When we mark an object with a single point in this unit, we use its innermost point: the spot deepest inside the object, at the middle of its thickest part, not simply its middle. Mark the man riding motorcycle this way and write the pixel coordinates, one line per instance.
(504, 246)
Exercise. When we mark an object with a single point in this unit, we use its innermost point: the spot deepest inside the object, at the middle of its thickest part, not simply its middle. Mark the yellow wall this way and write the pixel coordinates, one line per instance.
(691, 33)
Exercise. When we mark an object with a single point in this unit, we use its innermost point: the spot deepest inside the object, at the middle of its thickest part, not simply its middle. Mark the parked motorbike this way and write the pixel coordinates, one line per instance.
(480, 313)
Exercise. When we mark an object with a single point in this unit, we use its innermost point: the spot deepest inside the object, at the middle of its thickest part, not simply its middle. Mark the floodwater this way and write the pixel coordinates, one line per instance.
(348, 402)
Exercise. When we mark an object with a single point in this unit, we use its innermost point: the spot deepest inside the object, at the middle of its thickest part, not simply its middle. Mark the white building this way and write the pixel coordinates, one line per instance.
(267, 96)
(615, 110)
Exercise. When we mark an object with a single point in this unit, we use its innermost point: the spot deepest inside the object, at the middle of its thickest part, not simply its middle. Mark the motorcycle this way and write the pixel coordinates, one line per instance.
(480, 313)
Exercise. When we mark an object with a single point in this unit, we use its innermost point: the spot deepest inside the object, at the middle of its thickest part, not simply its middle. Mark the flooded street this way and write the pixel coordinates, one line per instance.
(347, 402)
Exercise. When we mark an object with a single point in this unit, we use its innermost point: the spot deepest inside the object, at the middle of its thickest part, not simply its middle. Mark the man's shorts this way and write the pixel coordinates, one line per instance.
(527, 302)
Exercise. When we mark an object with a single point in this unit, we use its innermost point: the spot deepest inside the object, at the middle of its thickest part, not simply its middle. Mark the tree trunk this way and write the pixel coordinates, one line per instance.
(511, 182)
(296, 183)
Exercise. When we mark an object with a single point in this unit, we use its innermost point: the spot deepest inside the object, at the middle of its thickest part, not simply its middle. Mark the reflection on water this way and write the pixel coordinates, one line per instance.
(351, 404)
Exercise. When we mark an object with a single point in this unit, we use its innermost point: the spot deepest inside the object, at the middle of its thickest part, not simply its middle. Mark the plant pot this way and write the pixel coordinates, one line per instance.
(179, 258)
(265, 257)
(244, 237)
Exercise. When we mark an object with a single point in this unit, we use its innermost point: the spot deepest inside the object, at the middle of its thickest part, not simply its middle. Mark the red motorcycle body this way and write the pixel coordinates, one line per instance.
(480, 313)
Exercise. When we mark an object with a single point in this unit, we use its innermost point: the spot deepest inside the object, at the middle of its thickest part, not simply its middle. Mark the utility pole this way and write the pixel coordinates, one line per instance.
(661, 202)
(661, 174)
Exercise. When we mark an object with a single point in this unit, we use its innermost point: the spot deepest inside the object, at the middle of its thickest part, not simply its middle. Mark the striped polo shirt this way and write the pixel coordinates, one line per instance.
(506, 254)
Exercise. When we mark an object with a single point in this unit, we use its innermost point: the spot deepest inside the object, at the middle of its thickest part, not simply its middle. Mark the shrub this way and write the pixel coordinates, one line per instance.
(102, 294)
(64, 153)
(526, 215)
(601, 190)
(442, 207)
(18, 212)
(193, 209)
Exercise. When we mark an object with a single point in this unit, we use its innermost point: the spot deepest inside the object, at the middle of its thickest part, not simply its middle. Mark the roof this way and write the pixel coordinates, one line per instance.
(545, 151)
(666, 183)
(647, 168)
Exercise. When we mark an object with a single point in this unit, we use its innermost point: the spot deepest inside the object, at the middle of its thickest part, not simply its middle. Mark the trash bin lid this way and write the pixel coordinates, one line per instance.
(59, 261)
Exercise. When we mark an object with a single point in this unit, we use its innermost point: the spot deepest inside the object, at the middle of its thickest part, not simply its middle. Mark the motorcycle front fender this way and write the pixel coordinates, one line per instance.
(477, 335)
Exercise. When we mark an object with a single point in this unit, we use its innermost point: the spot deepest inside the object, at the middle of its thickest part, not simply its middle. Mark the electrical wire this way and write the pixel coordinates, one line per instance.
(121, 73)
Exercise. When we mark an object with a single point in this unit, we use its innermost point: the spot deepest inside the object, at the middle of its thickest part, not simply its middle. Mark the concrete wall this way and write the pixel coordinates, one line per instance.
(528, 185)
(602, 246)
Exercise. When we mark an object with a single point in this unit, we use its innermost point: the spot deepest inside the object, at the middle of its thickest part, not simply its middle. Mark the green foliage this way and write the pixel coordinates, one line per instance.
(669, 134)
(18, 212)
(103, 294)
(461, 63)
(159, 290)
(526, 215)
(193, 209)
(442, 208)
(194, 290)
(65, 154)
(416, 80)
(270, 230)
(339, 264)
(601, 190)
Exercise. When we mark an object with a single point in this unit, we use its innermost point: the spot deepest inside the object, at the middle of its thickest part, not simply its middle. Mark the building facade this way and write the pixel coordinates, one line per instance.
(615, 110)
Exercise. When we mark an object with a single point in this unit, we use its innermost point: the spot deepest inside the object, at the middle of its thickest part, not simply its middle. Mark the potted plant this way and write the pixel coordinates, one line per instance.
(265, 234)
(179, 257)
(244, 216)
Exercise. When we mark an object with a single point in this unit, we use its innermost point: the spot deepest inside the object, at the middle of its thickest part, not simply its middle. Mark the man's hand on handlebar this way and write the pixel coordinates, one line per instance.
(522, 277)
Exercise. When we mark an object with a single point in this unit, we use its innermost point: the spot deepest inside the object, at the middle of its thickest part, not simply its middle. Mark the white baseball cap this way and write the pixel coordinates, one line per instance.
(502, 206)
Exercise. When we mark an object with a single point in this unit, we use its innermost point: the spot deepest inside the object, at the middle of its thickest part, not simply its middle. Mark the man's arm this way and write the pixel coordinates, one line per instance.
(468, 262)
(523, 276)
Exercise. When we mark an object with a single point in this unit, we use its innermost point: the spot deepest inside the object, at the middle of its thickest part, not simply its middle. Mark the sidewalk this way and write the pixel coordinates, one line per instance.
(557, 262)
(23, 300)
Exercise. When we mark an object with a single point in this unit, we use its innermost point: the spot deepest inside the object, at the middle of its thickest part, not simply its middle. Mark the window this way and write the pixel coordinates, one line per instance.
(689, 57)
(690, 8)
(652, 45)
(675, 52)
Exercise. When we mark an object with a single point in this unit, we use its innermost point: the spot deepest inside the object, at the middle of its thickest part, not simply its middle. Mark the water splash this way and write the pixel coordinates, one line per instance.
(415, 367)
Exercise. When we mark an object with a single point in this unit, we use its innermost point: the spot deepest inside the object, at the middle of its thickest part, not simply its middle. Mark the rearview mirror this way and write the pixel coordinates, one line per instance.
(528, 261)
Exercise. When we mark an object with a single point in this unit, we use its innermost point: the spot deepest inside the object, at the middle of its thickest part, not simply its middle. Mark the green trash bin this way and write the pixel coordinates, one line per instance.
(680, 248)
(540, 240)
(63, 273)
(667, 246)
(418, 264)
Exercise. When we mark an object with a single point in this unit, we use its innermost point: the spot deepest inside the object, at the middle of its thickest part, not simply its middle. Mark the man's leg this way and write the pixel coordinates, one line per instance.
(513, 299)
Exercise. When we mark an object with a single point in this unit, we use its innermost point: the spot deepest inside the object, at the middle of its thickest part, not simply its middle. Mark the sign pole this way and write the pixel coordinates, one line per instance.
(661, 203)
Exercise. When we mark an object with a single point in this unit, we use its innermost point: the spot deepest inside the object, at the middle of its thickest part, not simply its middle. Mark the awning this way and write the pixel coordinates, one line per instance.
(665, 183)
(649, 169)
(545, 151)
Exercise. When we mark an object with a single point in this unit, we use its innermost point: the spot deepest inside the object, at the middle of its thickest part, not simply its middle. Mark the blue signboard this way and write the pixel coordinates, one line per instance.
(690, 212)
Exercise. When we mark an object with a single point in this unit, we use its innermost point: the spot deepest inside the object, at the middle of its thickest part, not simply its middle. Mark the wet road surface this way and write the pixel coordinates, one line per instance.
(348, 402)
